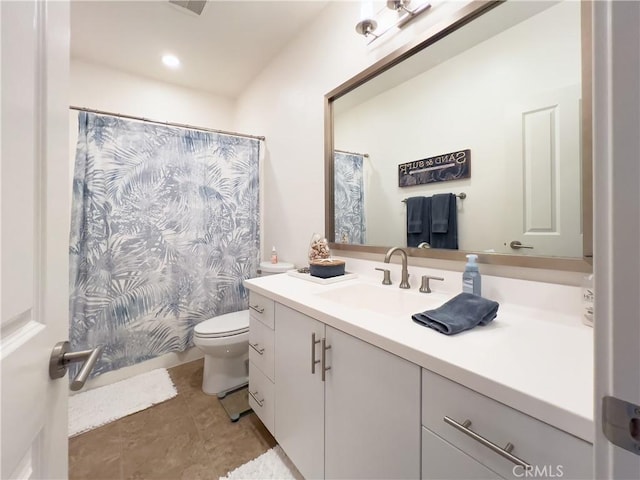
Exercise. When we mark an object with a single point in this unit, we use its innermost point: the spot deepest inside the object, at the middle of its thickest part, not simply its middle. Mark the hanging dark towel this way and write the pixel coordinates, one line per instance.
(440, 213)
(415, 239)
(414, 214)
(462, 312)
(449, 239)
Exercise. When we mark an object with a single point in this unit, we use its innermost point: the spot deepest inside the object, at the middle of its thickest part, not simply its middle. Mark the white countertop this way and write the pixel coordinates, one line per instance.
(535, 360)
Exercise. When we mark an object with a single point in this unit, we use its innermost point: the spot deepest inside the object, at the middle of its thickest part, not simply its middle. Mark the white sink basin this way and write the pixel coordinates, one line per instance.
(384, 299)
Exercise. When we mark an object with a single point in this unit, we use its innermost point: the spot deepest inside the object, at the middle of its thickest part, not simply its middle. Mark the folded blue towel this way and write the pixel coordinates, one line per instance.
(462, 312)
(414, 215)
(440, 213)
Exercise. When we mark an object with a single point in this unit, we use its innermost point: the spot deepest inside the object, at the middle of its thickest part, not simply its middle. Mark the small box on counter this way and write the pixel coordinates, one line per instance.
(326, 268)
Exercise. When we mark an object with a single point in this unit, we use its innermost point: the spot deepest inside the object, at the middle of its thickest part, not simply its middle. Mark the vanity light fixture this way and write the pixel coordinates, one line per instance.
(367, 26)
(401, 6)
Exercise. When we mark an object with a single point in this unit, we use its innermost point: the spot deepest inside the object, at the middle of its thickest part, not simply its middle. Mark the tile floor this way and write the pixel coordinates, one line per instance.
(188, 437)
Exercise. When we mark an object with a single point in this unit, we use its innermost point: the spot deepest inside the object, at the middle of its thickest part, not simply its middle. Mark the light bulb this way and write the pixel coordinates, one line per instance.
(366, 10)
(171, 61)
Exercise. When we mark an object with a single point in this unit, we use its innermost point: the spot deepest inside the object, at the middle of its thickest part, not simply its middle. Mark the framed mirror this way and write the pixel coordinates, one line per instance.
(491, 113)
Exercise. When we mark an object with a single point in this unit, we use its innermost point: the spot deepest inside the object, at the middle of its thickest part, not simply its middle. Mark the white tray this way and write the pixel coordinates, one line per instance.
(323, 281)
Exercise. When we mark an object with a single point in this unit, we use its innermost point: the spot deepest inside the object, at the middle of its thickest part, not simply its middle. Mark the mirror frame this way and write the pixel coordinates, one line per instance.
(460, 18)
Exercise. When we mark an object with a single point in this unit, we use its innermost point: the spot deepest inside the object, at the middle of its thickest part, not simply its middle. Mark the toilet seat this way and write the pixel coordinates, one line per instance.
(226, 325)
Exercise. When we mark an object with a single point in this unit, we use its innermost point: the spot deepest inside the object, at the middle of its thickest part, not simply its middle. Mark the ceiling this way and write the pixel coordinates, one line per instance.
(221, 51)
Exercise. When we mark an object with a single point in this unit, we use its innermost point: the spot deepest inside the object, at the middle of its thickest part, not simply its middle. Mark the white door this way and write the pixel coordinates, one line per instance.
(34, 239)
(542, 209)
(617, 229)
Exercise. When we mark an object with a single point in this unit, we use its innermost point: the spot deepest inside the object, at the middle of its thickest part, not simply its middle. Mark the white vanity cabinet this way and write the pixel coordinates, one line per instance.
(378, 415)
(361, 421)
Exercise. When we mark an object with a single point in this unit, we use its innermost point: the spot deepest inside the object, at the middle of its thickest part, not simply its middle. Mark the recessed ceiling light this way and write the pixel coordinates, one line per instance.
(171, 61)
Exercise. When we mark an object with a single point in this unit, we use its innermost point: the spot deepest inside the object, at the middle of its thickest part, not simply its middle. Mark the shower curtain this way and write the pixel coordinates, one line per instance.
(349, 198)
(165, 227)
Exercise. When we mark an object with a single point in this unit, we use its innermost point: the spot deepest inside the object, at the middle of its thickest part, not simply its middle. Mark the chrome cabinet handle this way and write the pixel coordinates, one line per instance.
(255, 347)
(517, 245)
(314, 362)
(257, 308)
(323, 366)
(61, 357)
(253, 395)
(504, 452)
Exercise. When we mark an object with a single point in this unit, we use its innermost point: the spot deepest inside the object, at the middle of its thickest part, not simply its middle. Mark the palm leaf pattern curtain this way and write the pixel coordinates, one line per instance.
(165, 227)
(350, 224)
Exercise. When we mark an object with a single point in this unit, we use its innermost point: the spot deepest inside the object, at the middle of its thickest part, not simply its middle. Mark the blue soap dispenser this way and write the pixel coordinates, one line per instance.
(471, 276)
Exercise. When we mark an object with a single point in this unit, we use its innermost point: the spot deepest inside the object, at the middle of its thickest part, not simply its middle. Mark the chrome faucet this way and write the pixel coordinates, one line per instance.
(405, 273)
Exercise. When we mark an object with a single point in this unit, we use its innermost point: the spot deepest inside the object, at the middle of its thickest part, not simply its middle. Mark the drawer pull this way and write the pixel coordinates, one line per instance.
(504, 452)
(257, 308)
(253, 395)
(323, 364)
(255, 347)
(314, 362)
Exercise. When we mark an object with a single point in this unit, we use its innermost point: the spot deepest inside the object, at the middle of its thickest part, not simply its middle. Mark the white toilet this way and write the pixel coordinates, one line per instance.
(224, 340)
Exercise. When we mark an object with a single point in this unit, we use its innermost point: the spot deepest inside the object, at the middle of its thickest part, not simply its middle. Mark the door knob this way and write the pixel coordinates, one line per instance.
(516, 244)
(61, 357)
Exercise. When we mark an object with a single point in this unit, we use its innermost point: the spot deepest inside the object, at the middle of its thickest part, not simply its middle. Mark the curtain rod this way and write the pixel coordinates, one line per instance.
(352, 153)
(171, 124)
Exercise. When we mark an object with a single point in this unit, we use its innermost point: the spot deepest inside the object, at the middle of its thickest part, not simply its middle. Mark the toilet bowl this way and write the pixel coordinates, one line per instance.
(224, 340)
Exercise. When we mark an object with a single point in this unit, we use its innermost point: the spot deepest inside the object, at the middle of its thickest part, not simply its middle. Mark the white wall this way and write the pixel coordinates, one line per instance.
(286, 104)
(98, 87)
(465, 102)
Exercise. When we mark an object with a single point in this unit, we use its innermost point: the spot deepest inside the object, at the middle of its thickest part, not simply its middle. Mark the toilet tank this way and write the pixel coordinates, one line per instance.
(268, 268)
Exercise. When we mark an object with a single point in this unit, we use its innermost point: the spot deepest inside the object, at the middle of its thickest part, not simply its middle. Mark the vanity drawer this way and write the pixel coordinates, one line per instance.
(550, 452)
(443, 461)
(261, 347)
(262, 308)
(261, 397)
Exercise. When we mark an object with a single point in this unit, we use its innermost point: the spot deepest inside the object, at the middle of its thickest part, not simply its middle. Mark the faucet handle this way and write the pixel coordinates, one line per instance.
(424, 287)
(386, 280)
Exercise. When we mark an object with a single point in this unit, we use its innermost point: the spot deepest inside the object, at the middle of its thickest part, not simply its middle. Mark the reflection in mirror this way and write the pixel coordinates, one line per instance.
(506, 87)
(350, 222)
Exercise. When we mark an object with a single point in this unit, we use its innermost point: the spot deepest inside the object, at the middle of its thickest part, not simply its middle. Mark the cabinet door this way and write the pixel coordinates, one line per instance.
(372, 412)
(443, 461)
(299, 395)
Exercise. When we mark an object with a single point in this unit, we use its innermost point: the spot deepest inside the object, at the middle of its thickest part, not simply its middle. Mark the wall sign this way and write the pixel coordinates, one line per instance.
(448, 166)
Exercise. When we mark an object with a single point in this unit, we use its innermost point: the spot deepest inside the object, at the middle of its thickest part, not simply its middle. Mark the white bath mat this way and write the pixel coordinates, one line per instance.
(273, 464)
(93, 408)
